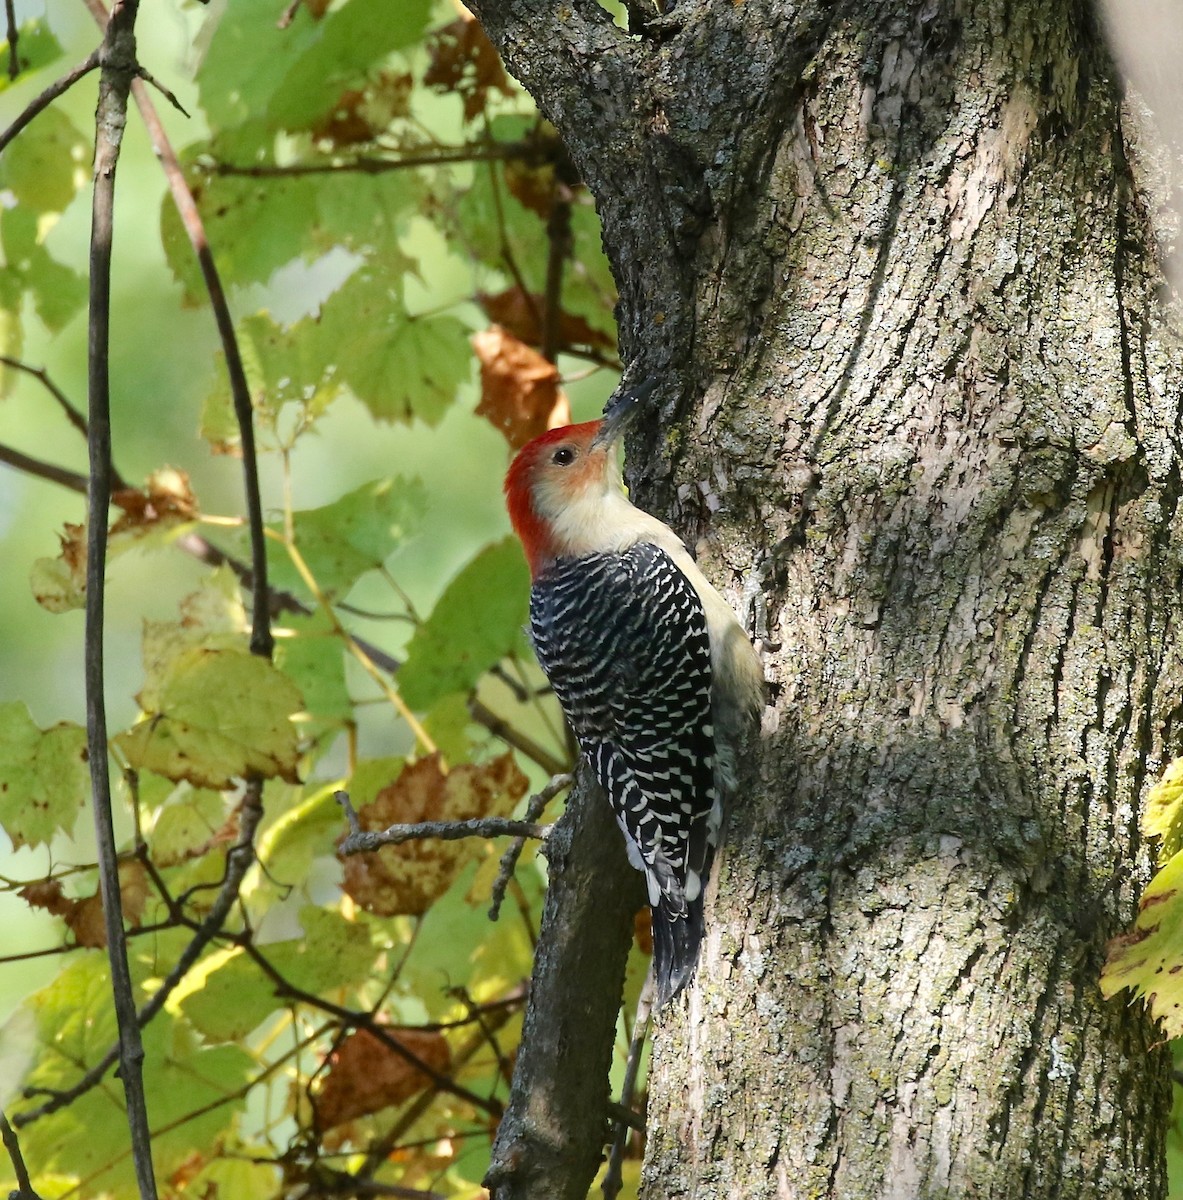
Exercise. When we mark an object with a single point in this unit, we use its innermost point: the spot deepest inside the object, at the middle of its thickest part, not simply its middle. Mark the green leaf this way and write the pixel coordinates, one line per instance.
(212, 716)
(315, 660)
(57, 291)
(257, 225)
(47, 164)
(1149, 959)
(75, 1025)
(306, 831)
(1163, 816)
(355, 534)
(36, 48)
(399, 366)
(44, 777)
(185, 825)
(227, 994)
(476, 623)
(298, 73)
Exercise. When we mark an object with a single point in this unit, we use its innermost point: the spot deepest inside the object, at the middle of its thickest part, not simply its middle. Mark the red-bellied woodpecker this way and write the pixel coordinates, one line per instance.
(652, 670)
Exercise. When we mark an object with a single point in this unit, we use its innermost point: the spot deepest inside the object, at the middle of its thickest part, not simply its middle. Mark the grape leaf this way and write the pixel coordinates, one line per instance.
(1149, 959)
(212, 716)
(36, 48)
(44, 777)
(298, 72)
(47, 164)
(452, 649)
(1163, 815)
(398, 366)
(227, 994)
(357, 533)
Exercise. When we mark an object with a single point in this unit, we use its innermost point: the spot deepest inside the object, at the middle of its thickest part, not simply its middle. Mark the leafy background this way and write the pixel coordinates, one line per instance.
(390, 316)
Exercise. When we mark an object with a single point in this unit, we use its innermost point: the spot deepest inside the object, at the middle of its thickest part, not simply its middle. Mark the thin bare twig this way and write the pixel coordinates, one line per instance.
(43, 470)
(14, 36)
(626, 1119)
(558, 234)
(482, 714)
(42, 376)
(366, 165)
(262, 642)
(24, 1185)
(361, 840)
(40, 103)
(509, 860)
(167, 93)
(117, 57)
(368, 1022)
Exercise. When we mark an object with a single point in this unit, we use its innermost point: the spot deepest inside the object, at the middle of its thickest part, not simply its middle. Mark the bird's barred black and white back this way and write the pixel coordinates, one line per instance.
(623, 640)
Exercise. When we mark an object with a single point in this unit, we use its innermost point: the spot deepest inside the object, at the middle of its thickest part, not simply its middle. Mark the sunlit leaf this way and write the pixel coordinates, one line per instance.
(212, 716)
(341, 541)
(44, 777)
(451, 650)
(1149, 959)
(399, 366)
(228, 994)
(1163, 814)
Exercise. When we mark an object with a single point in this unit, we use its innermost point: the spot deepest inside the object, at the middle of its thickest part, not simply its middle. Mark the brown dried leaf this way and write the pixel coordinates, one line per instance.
(521, 314)
(166, 498)
(360, 114)
(84, 918)
(520, 394)
(464, 61)
(365, 1075)
(532, 186)
(47, 894)
(409, 878)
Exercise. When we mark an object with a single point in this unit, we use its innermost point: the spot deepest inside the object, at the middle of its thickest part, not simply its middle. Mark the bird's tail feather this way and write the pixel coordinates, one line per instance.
(677, 936)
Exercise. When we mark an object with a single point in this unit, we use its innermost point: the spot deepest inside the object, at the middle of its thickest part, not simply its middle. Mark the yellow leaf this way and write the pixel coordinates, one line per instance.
(212, 716)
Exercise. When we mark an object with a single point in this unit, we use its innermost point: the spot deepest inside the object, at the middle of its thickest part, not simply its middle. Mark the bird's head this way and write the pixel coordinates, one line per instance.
(555, 485)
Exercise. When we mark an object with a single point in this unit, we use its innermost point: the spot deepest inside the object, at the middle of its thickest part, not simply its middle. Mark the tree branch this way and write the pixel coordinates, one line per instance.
(117, 57)
(550, 1140)
(360, 840)
(39, 103)
(14, 36)
(262, 642)
(528, 149)
(509, 860)
(43, 470)
(24, 1184)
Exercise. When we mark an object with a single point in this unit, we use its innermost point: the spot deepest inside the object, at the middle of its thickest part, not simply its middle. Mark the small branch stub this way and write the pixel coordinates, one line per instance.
(361, 840)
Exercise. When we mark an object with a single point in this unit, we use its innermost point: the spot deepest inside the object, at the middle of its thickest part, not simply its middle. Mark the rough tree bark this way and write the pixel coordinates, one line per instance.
(895, 268)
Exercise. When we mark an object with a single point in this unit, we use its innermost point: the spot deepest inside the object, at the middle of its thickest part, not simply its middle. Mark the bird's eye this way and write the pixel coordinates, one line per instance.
(564, 456)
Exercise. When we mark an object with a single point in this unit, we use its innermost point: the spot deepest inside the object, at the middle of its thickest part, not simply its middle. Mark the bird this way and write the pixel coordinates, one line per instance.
(653, 671)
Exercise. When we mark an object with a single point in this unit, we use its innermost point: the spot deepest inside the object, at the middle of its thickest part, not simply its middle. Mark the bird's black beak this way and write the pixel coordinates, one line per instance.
(621, 409)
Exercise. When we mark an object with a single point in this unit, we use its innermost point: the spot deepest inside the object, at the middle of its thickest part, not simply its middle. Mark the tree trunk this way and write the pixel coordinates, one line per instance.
(894, 268)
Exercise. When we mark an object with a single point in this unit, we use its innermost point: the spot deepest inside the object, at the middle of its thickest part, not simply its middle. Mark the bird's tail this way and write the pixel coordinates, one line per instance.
(677, 935)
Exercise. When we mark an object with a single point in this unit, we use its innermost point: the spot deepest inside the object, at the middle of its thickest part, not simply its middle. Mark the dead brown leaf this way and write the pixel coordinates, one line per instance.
(407, 879)
(365, 1075)
(464, 61)
(520, 394)
(521, 314)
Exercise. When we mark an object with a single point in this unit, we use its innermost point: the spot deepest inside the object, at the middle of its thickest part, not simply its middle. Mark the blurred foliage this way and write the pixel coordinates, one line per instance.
(380, 198)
